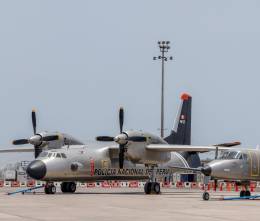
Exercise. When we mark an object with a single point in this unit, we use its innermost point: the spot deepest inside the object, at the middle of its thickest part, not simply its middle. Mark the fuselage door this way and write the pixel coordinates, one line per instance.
(254, 163)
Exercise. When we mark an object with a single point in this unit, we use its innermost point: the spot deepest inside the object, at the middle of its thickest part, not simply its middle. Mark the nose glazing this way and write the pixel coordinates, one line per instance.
(36, 169)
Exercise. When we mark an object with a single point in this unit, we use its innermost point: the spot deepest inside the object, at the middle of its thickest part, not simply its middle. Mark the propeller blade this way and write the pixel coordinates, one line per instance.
(104, 138)
(121, 156)
(121, 119)
(137, 139)
(34, 121)
(20, 142)
(50, 138)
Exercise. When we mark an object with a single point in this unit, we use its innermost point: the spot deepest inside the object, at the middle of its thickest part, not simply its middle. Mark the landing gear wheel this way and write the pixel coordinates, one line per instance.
(247, 193)
(205, 196)
(50, 189)
(156, 187)
(242, 193)
(148, 188)
(71, 187)
(63, 187)
(68, 187)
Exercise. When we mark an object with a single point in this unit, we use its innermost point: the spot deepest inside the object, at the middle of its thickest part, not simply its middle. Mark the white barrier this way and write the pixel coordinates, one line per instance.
(187, 185)
(7, 184)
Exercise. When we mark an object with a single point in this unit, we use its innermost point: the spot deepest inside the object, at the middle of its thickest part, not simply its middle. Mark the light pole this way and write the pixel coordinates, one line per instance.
(164, 48)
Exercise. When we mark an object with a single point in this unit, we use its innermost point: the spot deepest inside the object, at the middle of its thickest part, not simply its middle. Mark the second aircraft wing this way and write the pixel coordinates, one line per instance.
(188, 148)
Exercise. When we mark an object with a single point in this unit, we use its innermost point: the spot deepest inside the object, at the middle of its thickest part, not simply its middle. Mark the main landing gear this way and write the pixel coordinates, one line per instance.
(50, 188)
(152, 186)
(68, 187)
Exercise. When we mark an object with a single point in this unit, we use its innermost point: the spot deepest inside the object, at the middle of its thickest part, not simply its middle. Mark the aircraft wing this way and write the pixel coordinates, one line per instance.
(17, 150)
(188, 148)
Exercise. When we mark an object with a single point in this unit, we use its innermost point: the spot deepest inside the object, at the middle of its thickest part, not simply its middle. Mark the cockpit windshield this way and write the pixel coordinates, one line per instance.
(229, 155)
(52, 154)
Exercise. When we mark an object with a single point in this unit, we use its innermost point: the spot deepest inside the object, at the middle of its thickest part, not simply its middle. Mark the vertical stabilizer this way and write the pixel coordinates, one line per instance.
(181, 132)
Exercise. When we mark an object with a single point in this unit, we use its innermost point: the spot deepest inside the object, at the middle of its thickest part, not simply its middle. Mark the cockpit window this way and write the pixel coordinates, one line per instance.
(49, 155)
(63, 155)
(58, 155)
(228, 155)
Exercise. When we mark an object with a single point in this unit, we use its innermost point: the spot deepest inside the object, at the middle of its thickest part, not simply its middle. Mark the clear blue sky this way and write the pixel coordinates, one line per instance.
(77, 62)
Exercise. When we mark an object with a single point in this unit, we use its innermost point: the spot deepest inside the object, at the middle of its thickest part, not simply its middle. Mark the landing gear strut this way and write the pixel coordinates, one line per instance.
(50, 188)
(68, 187)
(205, 195)
(152, 186)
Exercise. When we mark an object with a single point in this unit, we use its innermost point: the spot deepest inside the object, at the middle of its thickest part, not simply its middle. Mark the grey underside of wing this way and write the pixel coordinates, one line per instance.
(17, 150)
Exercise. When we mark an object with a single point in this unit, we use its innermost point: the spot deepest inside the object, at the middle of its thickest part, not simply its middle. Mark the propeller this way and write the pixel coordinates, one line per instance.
(122, 139)
(36, 139)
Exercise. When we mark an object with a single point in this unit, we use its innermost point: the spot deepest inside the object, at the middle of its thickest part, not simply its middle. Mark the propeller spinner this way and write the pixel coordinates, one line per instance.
(122, 139)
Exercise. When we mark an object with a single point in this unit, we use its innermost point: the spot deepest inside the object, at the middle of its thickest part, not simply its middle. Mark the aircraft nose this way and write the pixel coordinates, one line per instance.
(206, 170)
(36, 169)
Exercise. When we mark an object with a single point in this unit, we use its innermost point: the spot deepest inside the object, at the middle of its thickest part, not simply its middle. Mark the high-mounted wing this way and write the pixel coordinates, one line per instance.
(17, 150)
(188, 148)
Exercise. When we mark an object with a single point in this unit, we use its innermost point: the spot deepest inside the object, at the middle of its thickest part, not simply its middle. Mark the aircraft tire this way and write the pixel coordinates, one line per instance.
(46, 190)
(247, 193)
(63, 187)
(242, 193)
(71, 187)
(50, 189)
(148, 188)
(205, 196)
(156, 187)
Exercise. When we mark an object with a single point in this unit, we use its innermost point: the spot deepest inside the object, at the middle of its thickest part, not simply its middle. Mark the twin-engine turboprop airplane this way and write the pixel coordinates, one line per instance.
(138, 155)
(42, 141)
(238, 165)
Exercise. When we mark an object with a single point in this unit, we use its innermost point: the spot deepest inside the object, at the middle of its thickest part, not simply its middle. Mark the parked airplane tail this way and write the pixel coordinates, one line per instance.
(181, 132)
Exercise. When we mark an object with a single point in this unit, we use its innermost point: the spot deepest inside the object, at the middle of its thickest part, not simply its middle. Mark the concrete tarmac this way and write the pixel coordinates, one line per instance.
(117, 204)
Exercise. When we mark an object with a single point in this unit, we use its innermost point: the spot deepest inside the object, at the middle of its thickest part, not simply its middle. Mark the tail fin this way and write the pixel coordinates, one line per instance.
(181, 133)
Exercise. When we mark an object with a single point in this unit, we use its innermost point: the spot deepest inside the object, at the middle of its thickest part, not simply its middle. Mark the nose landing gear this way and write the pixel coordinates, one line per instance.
(50, 188)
